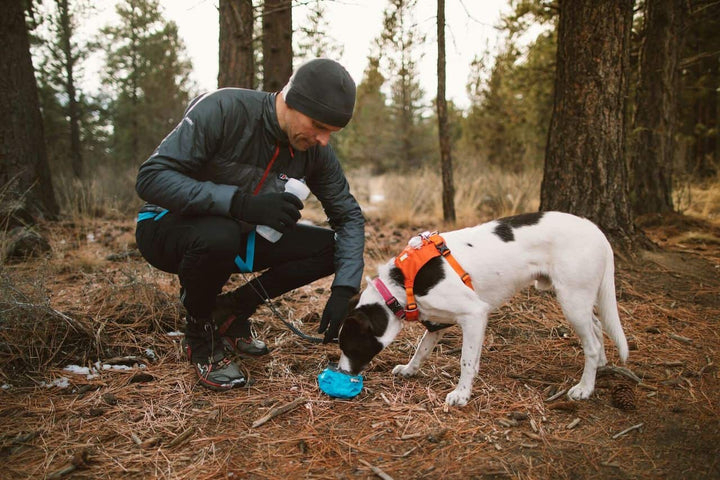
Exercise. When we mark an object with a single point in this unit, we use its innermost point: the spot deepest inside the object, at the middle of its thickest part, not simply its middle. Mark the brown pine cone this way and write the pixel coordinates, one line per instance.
(623, 396)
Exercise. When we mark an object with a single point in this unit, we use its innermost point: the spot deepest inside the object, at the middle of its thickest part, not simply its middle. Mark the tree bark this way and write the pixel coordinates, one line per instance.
(26, 191)
(585, 172)
(277, 44)
(448, 191)
(237, 55)
(655, 122)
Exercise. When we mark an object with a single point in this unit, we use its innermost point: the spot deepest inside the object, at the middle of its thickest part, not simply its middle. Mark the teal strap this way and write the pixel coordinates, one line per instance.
(247, 265)
(148, 215)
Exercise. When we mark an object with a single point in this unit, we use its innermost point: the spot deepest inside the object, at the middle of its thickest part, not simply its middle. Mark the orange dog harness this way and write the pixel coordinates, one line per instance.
(415, 255)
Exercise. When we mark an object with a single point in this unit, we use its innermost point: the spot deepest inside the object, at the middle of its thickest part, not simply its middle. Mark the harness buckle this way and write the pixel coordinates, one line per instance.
(411, 312)
(395, 306)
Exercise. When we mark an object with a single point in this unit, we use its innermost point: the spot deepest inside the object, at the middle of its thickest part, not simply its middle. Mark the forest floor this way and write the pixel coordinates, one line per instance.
(131, 407)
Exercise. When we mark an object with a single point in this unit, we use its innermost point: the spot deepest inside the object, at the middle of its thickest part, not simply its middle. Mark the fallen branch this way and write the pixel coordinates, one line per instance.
(680, 338)
(80, 459)
(279, 411)
(181, 437)
(376, 470)
(626, 372)
(627, 430)
(556, 396)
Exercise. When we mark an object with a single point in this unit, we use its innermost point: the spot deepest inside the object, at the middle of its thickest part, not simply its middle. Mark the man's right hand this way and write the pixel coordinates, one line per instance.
(279, 211)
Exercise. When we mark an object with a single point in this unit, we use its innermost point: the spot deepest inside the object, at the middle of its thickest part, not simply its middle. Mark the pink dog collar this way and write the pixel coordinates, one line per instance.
(390, 301)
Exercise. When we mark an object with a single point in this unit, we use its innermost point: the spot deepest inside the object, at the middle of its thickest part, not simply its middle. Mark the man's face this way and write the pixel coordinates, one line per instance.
(304, 132)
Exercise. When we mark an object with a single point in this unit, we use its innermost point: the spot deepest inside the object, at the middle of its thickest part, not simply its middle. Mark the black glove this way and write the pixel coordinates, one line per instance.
(277, 210)
(335, 312)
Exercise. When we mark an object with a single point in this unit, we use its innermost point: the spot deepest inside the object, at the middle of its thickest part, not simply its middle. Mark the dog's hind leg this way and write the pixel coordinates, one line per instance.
(577, 307)
(424, 348)
(598, 331)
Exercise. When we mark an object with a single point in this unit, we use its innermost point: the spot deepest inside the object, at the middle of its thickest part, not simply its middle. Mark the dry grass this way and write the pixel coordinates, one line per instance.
(417, 199)
(701, 200)
(93, 300)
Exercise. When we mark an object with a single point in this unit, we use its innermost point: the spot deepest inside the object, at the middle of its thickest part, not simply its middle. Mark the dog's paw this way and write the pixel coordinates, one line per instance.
(404, 371)
(457, 399)
(580, 392)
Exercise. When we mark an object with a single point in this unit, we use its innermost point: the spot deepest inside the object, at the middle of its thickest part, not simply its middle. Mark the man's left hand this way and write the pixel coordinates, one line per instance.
(335, 312)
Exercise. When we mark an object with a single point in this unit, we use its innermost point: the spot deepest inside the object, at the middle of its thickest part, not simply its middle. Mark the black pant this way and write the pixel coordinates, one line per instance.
(201, 250)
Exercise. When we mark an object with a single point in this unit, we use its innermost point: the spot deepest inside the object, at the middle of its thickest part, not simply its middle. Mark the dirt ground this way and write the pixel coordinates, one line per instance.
(95, 300)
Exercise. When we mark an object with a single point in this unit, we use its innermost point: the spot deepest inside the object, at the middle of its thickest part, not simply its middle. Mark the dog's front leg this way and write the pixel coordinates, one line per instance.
(426, 345)
(473, 336)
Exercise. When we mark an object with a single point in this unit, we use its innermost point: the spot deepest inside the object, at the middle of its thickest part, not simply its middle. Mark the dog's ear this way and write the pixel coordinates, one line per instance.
(354, 300)
(358, 323)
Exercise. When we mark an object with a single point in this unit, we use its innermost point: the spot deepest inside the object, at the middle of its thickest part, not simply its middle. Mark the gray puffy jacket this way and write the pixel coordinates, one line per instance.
(223, 146)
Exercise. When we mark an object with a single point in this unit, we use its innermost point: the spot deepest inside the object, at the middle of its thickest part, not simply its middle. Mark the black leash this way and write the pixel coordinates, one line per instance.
(273, 309)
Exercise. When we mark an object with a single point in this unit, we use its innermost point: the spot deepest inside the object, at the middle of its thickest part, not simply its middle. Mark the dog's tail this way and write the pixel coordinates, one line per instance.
(608, 309)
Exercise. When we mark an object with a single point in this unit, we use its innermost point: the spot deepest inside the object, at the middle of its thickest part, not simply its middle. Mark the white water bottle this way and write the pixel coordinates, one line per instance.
(297, 188)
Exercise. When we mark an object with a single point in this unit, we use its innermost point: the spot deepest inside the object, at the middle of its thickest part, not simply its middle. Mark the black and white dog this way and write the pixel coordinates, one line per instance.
(552, 249)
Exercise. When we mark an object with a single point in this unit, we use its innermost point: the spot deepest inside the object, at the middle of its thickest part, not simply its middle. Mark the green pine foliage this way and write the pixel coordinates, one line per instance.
(511, 95)
(147, 72)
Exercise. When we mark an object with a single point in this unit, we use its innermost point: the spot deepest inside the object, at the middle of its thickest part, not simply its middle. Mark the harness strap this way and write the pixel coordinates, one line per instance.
(445, 252)
(415, 256)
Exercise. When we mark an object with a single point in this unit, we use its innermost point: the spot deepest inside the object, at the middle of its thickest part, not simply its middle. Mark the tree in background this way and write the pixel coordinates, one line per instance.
(59, 78)
(277, 50)
(400, 44)
(148, 73)
(700, 87)
(365, 142)
(585, 170)
(313, 39)
(448, 195)
(656, 106)
(26, 189)
(511, 94)
(236, 44)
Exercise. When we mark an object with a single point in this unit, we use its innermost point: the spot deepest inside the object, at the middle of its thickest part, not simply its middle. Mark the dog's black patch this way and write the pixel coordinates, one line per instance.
(504, 228)
(427, 277)
(358, 337)
(504, 231)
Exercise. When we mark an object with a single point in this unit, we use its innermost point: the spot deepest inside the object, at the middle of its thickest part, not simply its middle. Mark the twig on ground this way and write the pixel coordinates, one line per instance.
(376, 470)
(556, 396)
(279, 411)
(181, 437)
(627, 430)
(680, 338)
(626, 372)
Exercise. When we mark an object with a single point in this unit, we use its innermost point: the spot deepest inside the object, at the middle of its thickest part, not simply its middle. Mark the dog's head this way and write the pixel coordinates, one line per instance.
(368, 329)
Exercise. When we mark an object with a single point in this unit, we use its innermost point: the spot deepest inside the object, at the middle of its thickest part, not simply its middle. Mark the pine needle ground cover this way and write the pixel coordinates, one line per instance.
(94, 383)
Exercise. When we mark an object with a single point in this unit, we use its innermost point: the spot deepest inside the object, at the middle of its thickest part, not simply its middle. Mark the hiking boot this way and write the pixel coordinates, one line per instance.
(245, 347)
(234, 328)
(206, 353)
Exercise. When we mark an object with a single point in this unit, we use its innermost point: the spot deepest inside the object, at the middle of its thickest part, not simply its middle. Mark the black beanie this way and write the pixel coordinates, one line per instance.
(323, 90)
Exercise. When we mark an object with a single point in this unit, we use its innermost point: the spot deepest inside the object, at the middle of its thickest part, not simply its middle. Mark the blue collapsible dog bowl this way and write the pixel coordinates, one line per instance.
(338, 384)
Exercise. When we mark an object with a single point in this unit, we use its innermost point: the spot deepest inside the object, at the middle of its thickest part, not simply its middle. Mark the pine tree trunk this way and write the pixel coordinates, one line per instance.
(448, 191)
(237, 56)
(655, 122)
(585, 171)
(26, 191)
(277, 44)
(73, 106)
